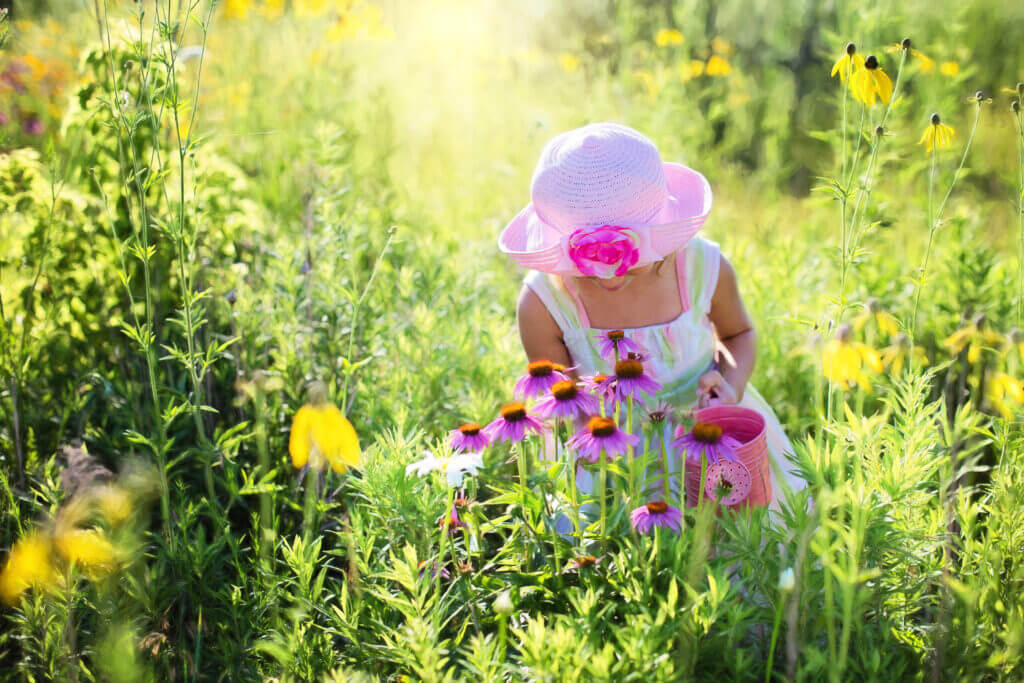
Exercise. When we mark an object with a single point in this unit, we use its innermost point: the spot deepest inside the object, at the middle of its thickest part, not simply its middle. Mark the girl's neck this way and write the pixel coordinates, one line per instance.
(649, 298)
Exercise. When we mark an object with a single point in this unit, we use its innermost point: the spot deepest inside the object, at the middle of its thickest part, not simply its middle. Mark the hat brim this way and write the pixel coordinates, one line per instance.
(537, 245)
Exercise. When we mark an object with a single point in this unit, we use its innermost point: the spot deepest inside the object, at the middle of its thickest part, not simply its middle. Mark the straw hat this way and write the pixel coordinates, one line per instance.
(603, 201)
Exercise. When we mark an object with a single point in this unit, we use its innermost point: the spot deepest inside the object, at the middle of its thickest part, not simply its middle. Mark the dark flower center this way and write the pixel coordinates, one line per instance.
(470, 429)
(935, 119)
(586, 561)
(514, 412)
(706, 432)
(616, 335)
(871, 62)
(657, 507)
(850, 49)
(600, 378)
(656, 416)
(601, 426)
(540, 368)
(629, 369)
(565, 390)
(460, 502)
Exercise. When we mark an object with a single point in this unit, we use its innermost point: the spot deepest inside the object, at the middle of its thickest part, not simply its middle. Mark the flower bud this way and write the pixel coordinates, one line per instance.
(980, 95)
(1015, 106)
(906, 43)
(787, 580)
(879, 131)
(503, 603)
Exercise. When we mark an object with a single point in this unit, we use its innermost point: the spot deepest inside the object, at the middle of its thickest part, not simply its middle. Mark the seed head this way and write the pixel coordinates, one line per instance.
(629, 369)
(906, 43)
(601, 426)
(871, 62)
(978, 320)
(706, 432)
(980, 95)
(564, 390)
(844, 332)
(1020, 88)
(514, 412)
(616, 335)
(1015, 106)
(935, 119)
(874, 305)
(851, 49)
(657, 507)
(470, 429)
(879, 131)
(540, 368)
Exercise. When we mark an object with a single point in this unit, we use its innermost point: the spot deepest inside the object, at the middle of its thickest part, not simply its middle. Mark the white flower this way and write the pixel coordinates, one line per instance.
(454, 466)
(787, 581)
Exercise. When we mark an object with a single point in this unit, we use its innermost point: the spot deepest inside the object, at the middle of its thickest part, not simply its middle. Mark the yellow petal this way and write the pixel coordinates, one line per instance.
(883, 85)
(887, 323)
(335, 437)
(973, 352)
(301, 438)
(115, 503)
(86, 547)
(958, 340)
(30, 563)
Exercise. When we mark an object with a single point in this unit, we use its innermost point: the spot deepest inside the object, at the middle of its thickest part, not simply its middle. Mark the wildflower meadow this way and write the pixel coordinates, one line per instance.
(265, 413)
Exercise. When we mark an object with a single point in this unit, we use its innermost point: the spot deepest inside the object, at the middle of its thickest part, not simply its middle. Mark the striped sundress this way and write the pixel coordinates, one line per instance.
(680, 352)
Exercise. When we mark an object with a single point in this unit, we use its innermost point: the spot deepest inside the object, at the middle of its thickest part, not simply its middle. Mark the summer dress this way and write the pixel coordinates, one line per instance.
(679, 352)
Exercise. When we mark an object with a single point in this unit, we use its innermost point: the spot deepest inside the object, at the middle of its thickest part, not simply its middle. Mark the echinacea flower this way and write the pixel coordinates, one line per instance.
(468, 437)
(452, 520)
(843, 360)
(601, 434)
(706, 438)
(895, 355)
(29, 564)
(540, 376)
(975, 336)
(512, 424)
(937, 135)
(615, 344)
(322, 435)
(600, 387)
(566, 401)
(886, 322)
(455, 466)
(651, 515)
(848, 63)
(870, 82)
(631, 380)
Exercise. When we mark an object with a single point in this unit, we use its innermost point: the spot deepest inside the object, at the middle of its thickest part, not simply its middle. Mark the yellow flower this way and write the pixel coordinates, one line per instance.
(272, 9)
(895, 355)
(321, 435)
(717, 66)
(949, 68)
(870, 81)
(29, 564)
(236, 9)
(887, 322)
(721, 46)
(569, 62)
(668, 36)
(973, 336)
(87, 548)
(925, 63)
(114, 502)
(848, 63)
(843, 361)
(937, 135)
(690, 70)
(1001, 387)
(310, 8)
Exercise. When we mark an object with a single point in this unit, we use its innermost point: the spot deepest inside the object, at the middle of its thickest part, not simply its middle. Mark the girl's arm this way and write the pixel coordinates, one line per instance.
(736, 331)
(540, 334)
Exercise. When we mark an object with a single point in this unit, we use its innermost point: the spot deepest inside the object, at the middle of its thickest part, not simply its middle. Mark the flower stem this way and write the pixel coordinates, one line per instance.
(771, 648)
(604, 497)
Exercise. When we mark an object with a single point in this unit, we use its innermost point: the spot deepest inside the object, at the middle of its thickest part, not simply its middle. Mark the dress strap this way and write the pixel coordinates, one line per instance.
(559, 303)
(684, 288)
(703, 259)
(581, 312)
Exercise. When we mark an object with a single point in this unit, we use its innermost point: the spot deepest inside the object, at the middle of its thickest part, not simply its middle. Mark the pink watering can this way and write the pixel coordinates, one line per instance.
(748, 477)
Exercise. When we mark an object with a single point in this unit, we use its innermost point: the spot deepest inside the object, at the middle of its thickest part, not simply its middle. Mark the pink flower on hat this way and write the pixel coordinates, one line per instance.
(607, 251)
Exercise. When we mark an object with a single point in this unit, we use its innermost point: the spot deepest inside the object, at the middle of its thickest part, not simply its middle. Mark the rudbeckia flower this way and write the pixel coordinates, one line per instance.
(1001, 387)
(566, 401)
(937, 135)
(668, 36)
(601, 434)
(30, 564)
(848, 63)
(454, 466)
(870, 82)
(512, 424)
(615, 344)
(975, 337)
(539, 378)
(887, 322)
(651, 515)
(843, 361)
(925, 63)
(468, 437)
(321, 435)
(717, 66)
(949, 68)
(707, 439)
(895, 355)
(87, 548)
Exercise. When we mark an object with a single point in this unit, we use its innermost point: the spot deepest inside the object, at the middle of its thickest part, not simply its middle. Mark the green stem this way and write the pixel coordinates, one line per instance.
(604, 497)
(771, 648)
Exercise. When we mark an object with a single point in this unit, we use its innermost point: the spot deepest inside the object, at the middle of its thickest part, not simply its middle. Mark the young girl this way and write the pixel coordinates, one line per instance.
(610, 242)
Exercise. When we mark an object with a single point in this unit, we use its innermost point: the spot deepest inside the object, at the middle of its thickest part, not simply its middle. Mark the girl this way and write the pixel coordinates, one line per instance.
(610, 242)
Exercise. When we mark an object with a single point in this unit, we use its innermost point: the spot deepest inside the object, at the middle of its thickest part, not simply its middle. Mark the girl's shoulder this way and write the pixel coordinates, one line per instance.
(702, 260)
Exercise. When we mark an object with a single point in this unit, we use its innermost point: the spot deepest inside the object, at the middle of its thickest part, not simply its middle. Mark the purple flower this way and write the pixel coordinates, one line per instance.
(32, 125)
(566, 401)
(646, 517)
(631, 380)
(707, 438)
(468, 438)
(452, 521)
(512, 424)
(600, 387)
(659, 413)
(433, 570)
(613, 341)
(601, 434)
(540, 376)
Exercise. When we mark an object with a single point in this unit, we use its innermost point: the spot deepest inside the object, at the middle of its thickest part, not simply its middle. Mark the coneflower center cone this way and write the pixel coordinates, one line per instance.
(470, 429)
(513, 412)
(657, 507)
(706, 432)
(601, 426)
(565, 390)
(586, 561)
(616, 335)
(540, 368)
(629, 369)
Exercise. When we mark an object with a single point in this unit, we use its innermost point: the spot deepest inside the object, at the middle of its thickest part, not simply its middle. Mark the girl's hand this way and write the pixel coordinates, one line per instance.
(713, 385)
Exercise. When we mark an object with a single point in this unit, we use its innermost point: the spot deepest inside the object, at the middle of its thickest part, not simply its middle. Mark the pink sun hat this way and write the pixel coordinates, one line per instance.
(603, 201)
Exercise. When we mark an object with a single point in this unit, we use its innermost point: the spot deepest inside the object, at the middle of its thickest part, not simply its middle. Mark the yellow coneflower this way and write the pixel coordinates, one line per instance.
(717, 66)
(937, 135)
(973, 336)
(569, 62)
(690, 69)
(322, 435)
(871, 82)
(949, 68)
(843, 360)
(114, 502)
(887, 322)
(272, 9)
(30, 564)
(1001, 387)
(1015, 339)
(849, 63)
(1018, 91)
(668, 36)
(721, 46)
(87, 548)
(236, 9)
(895, 355)
(925, 63)
(310, 8)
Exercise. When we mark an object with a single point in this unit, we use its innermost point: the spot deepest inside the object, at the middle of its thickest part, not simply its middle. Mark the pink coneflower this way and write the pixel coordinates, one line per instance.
(705, 438)
(32, 125)
(601, 434)
(468, 438)
(728, 482)
(453, 520)
(646, 517)
(566, 400)
(600, 387)
(539, 378)
(615, 344)
(512, 424)
(631, 380)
